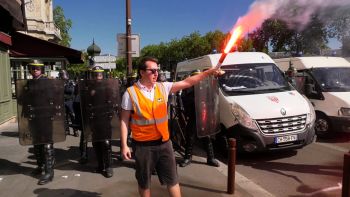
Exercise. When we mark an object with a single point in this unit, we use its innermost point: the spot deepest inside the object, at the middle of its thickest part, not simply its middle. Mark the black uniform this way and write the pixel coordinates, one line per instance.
(103, 148)
(100, 124)
(188, 101)
(44, 153)
(78, 124)
(69, 87)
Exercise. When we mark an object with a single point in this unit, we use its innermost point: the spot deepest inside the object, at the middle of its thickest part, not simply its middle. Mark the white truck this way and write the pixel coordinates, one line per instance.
(258, 106)
(326, 82)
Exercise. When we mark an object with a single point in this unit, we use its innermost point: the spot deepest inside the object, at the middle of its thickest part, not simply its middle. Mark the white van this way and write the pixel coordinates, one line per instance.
(326, 82)
(258, 106)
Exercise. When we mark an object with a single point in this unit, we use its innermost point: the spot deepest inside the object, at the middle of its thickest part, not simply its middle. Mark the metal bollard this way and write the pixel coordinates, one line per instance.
(231, 166)
(346, 176)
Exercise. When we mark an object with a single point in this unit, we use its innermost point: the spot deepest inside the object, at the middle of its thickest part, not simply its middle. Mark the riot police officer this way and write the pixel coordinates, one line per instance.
(78, 124)
(69, 87)
(98, 125)
(188, 100)
(43, 151)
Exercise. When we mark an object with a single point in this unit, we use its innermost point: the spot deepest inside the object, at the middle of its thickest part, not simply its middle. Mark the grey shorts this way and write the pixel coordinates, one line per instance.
(155, 156)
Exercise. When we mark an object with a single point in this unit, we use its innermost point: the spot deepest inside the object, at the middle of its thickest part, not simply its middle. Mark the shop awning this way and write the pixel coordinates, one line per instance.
(27, 46)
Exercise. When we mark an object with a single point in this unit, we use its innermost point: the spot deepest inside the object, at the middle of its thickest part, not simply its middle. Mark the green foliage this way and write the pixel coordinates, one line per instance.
(76, 70)
(276, 34)
(245, 45)
(63, 25)
(190, 46)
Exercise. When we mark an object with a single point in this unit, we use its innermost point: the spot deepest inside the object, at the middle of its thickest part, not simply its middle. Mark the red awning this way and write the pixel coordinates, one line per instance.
(27, 46)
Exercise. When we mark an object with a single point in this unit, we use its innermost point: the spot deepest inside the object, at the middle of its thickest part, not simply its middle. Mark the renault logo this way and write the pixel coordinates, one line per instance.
(283, 112)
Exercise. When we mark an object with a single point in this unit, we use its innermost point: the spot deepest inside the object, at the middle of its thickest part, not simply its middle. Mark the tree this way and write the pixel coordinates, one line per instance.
(279, 36)
(75, 70)
(216, 40)
(63, 25)
(339, 28)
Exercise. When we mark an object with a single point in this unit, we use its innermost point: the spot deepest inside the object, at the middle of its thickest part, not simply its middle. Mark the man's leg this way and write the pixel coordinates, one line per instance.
(49, 159)
(107, 159)
(174, 191)
(190, 136)
(144, 192)
(83, 149)
(210, 152)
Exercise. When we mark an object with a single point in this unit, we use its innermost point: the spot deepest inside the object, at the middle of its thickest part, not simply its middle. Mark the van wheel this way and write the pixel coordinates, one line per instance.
(322, 125)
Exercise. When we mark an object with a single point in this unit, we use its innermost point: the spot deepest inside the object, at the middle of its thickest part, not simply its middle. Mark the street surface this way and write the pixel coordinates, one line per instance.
(72, 179)
(315, 170)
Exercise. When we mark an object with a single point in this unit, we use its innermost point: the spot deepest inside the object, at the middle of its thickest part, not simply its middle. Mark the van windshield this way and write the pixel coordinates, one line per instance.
(252, 79)
(334, 79)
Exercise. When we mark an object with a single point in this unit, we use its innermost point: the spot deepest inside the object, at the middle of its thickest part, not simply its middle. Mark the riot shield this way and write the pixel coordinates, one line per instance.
(40, 108)
(206, 95)
(100, 106)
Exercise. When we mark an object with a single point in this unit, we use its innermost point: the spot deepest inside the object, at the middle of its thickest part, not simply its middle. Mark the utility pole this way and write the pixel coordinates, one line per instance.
(128, 39)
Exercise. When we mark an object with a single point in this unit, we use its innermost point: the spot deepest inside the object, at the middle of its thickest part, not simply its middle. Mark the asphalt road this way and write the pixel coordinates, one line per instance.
(315, 170)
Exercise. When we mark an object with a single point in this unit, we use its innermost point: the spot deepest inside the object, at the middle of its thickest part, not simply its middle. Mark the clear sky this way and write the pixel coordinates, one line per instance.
(155, 20)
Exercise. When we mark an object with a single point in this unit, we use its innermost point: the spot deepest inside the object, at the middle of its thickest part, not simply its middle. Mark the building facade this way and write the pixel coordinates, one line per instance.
(11, 14)
(40, 22)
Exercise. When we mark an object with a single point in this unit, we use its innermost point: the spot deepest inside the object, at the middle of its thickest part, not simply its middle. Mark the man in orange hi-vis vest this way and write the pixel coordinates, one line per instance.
(144, 109)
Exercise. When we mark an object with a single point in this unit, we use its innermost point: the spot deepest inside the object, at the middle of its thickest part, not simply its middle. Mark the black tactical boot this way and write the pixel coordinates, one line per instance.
(107, 159)
(83, 153)
(210, 154)
(99, 157)
(188, 156)
(187, 161)
(83, 150)
(49, 163)
(38, 153)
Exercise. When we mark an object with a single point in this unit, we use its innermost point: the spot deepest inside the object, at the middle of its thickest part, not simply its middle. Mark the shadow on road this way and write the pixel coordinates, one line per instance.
(201, 188)
(336, 137)
(10, 168)
(44, 192)
(10, 134)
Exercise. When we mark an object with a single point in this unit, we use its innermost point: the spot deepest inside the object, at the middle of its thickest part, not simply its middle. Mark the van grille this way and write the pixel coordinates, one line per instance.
(282, 125)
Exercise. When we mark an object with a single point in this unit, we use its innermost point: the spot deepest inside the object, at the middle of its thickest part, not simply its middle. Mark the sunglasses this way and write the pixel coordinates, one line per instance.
(153, 70)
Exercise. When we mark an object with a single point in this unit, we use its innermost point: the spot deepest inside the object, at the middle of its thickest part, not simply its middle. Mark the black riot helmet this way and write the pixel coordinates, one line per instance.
(97, 72)
(36, 68)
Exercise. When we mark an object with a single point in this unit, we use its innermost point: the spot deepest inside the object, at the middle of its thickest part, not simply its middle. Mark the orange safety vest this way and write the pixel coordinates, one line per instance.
(149, 120)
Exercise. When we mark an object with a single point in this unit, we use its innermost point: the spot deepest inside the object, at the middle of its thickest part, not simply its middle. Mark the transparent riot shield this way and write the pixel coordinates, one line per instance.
(100, 106)
(207, 107)
(40, 108)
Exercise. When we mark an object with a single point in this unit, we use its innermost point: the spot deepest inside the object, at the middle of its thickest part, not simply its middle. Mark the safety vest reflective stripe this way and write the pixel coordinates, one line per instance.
(162, 89)
(148, 122)
(136, 102)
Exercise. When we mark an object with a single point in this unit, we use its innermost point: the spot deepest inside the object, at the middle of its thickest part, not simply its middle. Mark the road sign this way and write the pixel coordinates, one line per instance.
(105, 61)
(135, 45)
(104, 58)
(106, 65)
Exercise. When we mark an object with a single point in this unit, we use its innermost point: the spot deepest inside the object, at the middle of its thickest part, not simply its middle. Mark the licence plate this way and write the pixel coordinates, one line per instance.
(287, 138)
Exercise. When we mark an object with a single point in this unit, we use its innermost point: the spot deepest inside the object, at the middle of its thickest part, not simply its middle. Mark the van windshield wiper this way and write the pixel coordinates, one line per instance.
(275, 89)
(242, 91)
